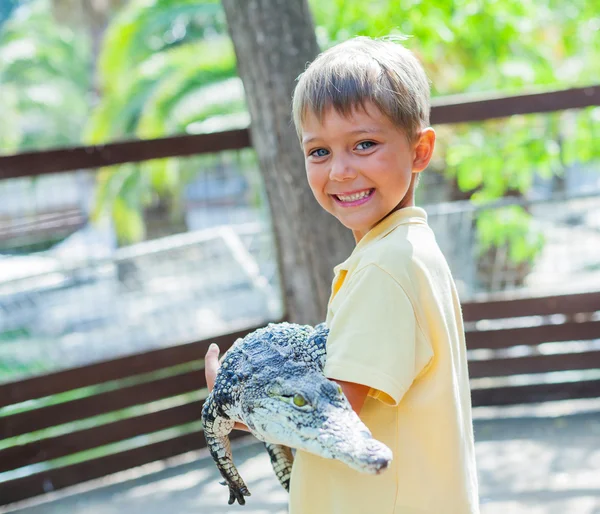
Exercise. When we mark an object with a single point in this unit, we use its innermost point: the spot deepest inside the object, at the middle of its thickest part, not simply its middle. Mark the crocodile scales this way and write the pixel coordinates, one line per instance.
(272, 381)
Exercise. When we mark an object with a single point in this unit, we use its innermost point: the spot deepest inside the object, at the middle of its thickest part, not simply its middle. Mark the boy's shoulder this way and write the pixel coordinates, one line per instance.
(408, 254)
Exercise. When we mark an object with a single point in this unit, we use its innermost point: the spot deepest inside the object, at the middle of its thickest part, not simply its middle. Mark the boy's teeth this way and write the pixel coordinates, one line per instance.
(354, 197)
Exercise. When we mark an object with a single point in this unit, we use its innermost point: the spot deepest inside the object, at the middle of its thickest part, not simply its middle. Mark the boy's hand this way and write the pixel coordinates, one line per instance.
(211, 367)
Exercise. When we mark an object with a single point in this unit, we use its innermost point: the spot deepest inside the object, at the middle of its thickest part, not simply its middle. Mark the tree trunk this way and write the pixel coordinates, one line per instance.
(274, 40)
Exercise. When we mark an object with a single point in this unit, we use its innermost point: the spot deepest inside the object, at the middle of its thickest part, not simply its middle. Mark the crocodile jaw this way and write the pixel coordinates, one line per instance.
(346, 438)
(338, 434)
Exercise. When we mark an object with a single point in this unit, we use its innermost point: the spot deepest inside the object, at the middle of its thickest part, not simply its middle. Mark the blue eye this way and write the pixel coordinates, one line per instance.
(365, 145)
(319, 152)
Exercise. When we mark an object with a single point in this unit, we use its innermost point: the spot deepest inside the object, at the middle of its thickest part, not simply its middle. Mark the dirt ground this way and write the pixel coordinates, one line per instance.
(527, 464)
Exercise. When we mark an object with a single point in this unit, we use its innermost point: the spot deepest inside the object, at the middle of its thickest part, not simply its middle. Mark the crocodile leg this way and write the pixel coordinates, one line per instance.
(281, 460)
(216, 432)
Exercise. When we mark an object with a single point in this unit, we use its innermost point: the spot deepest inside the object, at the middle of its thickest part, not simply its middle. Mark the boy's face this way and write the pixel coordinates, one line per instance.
(360, 168)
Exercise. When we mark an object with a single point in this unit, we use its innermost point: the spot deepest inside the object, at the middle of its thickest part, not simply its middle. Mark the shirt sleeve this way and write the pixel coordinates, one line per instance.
(374, 338)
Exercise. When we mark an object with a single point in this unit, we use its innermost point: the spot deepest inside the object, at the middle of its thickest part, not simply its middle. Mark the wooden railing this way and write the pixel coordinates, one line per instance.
(576, 321)
(113, 386)
(444, 111)
(148, 371)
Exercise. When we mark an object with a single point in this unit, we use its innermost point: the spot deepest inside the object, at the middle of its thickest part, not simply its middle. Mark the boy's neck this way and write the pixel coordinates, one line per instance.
(402, 205)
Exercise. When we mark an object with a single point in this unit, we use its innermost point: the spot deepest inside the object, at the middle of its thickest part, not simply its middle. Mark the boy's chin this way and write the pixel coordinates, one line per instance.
(358, 231)
(356, 225)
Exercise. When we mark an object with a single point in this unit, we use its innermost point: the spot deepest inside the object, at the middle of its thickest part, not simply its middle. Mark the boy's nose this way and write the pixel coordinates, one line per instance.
(341, 170)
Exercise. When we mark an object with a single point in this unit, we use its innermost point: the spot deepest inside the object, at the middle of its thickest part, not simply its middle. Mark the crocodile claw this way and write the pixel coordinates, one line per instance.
(238, 494)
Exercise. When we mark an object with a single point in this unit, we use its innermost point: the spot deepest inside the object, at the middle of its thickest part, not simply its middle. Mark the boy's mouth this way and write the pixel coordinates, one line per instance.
(355, 198)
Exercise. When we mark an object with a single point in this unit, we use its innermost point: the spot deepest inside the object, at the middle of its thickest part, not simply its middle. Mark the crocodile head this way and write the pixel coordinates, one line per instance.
(309, 412)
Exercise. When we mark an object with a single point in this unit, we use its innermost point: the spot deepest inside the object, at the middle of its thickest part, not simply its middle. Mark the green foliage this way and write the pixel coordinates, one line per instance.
(478, 45)
(509, 227)
(44, 79)
(473, 46)
(148, 102)
(166, 67)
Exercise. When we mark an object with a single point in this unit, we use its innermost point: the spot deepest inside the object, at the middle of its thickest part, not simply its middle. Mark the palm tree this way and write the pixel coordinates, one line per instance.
(164, 69)
(44, 79)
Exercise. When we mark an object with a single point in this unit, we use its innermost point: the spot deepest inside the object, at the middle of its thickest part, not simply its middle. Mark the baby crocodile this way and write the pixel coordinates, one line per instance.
(272, 381)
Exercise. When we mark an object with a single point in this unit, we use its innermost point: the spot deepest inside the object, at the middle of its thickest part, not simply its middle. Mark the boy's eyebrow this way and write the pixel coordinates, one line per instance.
(351, 133)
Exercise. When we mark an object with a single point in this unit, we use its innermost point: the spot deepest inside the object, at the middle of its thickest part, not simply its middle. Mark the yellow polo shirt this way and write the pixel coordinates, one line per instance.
(396, 326)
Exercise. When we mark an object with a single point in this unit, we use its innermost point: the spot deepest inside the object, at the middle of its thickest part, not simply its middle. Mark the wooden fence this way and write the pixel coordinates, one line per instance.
(112, 387)
(47, 419)
(156, 376)
(535, 347)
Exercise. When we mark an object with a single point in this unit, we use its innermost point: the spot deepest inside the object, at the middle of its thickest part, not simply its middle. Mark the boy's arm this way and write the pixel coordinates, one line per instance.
(356, 394)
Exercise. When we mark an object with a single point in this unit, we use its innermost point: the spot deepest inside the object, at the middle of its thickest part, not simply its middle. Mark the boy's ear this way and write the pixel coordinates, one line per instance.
(423, 149)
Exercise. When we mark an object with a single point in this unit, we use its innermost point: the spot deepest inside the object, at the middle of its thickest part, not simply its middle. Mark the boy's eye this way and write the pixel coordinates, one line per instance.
(319, 152)
(365, 145)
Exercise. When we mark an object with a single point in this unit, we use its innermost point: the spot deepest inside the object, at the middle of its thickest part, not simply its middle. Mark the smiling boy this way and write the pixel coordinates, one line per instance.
(396, 342)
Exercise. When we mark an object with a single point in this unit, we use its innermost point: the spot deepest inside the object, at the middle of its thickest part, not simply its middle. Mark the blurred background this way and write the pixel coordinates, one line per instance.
(106, 262)
(96, 263)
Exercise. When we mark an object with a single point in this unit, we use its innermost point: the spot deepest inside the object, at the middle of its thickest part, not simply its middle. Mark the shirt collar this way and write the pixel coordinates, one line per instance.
(405, 216)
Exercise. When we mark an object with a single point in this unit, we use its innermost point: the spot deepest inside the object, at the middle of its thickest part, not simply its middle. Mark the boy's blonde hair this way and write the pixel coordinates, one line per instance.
(364, 70)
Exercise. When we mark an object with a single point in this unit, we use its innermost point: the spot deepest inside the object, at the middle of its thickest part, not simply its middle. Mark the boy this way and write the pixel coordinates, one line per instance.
(396, 342)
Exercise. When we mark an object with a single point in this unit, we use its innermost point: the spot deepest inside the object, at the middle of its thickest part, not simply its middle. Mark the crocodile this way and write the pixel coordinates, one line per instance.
(272, 381)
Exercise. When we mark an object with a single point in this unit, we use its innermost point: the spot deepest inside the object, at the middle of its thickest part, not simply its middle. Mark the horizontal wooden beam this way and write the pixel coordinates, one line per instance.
(456, 109)
(535, 393)
(505, 338)
(59, 478)
(102, 403)
(541, 306)
(59, 382)
(91, 157)
(534, 364)
(465, 109)
(43, 450)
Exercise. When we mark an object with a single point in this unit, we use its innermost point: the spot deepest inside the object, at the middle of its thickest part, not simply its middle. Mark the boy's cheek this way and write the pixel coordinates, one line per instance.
(315, 187)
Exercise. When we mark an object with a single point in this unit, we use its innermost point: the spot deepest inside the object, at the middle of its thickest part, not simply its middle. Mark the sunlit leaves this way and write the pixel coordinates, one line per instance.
(509, 227)
(45, 80)
(122, 193)
(146, 27)
(160, 65)
(469, 46)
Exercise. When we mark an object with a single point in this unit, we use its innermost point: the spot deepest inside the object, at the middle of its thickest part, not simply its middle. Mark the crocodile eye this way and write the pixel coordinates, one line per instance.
(339, 388)
(299, 400)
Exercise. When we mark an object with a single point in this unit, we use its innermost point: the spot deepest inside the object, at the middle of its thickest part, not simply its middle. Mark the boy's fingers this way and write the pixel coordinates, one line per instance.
(211, 365)
(213, 351)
